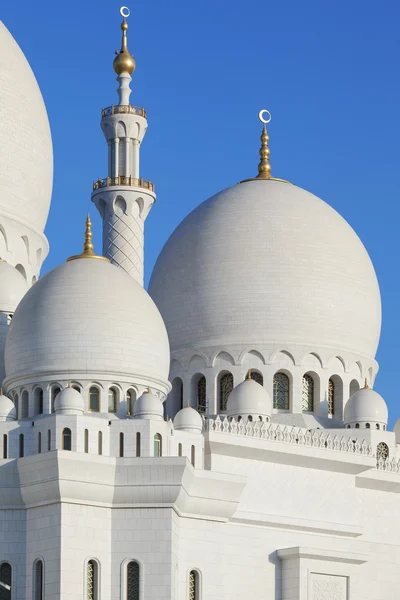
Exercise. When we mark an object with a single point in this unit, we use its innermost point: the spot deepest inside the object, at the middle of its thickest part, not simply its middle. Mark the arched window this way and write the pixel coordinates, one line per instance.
(66, 439)
(121, 445)
(24, 405)
(94, 399)
(5, 581)
(132, 580)
(201, 394)
(92, 580)
(331, 398)
(54, 393)
(130, 401)
(39, 442)
(17, 407)
(112, 400)
(138, 444)
(256, 376)
(100, 443)
(21, 445)
(87, 441)
(49, 440)
(378, 426)
(357, 425)
(194, 585)
(354, 387)
(5, 446)
(157, 445)
(225, 388)
(193, 455)
(38, 580)
(367, 426)
(281, 391)
(179, 449)
(77, 388)
(382, 451)
(38, 401)
(307, 394)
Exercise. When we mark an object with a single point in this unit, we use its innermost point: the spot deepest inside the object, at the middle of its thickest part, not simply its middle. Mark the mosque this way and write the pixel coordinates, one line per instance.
(217, 437)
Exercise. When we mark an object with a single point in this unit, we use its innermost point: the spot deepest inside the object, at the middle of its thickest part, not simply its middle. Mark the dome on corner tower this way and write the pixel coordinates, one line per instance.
(266, 261)
(26, 154)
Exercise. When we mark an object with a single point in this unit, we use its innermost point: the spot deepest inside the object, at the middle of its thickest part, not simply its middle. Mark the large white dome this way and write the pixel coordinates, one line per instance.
(26, 155)
(87, 316)
(267, 262)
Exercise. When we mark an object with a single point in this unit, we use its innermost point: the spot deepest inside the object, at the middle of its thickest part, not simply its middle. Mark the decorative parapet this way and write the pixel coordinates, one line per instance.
(121, 180)
(391, 466)
(289, 435)
(125, 109)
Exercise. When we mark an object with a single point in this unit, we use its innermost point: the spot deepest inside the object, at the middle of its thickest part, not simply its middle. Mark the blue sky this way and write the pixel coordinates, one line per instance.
(328, 72)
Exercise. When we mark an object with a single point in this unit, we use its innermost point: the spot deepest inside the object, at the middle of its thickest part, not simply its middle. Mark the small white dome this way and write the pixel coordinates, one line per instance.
(148, 406)
(13, 287)
(249, 398)
(7, 409)
(365, 406)
(188, 419)
(69, 402)
(88, 316)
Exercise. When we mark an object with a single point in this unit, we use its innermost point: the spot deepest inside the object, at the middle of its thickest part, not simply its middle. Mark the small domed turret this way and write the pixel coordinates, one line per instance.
(148, 406)
(7, 409)
(69, 402)
(249, 399)
(366, 408)
(188, 419)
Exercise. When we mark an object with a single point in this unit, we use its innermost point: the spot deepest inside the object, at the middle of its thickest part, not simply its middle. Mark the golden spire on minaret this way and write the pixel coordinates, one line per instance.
(124, 61)
(88, 245)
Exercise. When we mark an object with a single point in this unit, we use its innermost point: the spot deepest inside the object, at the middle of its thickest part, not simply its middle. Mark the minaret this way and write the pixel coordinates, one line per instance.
(123, 198)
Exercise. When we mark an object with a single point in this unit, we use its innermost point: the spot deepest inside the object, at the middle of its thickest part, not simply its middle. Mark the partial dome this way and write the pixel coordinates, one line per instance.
(13, 287)
(366, 406)
(249, 398)
(188, 419)
(69, 402)
(88, 316)
(267, 262)
(148, 406)
(7, 409)
(26, 153)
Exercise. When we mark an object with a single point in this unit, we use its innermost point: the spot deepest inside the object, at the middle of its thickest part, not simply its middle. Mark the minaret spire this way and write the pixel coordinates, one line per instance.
(123, 198)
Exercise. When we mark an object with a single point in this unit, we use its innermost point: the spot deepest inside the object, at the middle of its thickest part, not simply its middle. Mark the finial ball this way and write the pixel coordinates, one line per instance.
(124, 12)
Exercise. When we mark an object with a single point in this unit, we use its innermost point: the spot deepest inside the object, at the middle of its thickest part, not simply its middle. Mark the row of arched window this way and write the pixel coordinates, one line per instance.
(281, 391)
(93, 401)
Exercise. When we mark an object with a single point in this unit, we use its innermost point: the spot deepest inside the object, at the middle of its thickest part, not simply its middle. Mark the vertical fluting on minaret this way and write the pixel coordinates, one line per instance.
(123, 198)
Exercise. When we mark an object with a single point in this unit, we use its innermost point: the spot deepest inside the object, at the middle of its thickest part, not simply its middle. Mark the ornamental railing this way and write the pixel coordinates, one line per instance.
(125, 109)
(121, 180)
(290, 435)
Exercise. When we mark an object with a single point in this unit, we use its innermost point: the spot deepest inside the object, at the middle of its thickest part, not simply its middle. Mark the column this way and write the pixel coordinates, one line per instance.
(116, 157)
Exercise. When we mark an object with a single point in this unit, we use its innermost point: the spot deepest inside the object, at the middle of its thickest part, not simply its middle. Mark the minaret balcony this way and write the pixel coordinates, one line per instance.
(125, 109)
(122, 180)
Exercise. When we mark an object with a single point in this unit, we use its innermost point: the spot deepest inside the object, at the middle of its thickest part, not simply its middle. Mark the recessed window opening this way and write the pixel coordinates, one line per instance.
(201, 394)
(6, 581)
(157, 445)
(66, 439)
(121, 445)
(179, 449)
(92, 580)
(138, 444)
(194, 586)
(86, 441)
(256, 376)
(100, 443)
(5, 445)
(54, 393)
(132, 580)
(94, 399)
(38, 580)
(49, 440)
(193, 456)
(39, 442)
(112, 400)
(307, 394)
(225, 388)
(21, 445)
(281, 391)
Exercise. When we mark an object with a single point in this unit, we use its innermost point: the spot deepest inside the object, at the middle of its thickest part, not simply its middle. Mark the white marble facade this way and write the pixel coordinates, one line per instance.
(215, 438)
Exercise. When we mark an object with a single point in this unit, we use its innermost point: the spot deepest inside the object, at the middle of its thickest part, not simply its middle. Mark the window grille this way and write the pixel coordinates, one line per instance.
(38, 587)
(133, 581)
(382, 451)
(331, 398)
(193, 585)
(225, 388)
(307, 394)
(91, 580)
(201, 394)
(281, 391)
(5, 581)
(256, 376)
(66, 439)
(157, 445)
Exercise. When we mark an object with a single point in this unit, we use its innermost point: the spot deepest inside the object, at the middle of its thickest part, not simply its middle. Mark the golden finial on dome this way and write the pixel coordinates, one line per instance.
(366, 386)
(248, 376)
(88, 244)
(148, 391)
(124, 61)
(264, 167)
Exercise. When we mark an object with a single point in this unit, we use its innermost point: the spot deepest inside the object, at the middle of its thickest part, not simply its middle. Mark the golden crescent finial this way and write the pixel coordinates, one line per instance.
(88, 244)
(124, 61)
